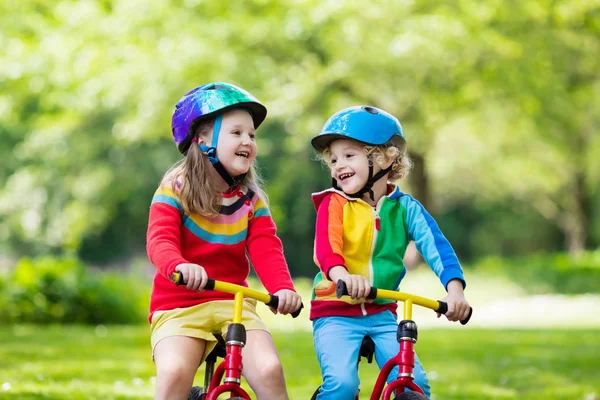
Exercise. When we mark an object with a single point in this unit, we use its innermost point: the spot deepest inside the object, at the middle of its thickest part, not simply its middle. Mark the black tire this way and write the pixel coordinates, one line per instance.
(196, 393)
(410, 396)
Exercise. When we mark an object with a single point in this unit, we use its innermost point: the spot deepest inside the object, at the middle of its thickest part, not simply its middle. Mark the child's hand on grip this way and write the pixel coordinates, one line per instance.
(289, 301)
(194, 275)
(358, 286)
(458, 306)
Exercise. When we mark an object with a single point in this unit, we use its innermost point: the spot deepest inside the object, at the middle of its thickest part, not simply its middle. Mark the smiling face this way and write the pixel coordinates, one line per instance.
(236, 147)
(349, 165)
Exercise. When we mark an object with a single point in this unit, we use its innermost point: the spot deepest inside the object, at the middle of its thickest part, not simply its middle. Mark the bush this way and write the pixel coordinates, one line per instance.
(63, 290)
(554, 273)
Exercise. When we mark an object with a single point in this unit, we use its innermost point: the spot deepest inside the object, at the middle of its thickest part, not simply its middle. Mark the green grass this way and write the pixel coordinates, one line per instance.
(75, 362)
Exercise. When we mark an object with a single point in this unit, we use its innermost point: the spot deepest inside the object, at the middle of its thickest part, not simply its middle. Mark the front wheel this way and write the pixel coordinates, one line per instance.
(410, 396)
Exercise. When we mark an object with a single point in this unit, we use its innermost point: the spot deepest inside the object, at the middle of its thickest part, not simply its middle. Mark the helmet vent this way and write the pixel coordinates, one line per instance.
(370, 110)
(216, 86)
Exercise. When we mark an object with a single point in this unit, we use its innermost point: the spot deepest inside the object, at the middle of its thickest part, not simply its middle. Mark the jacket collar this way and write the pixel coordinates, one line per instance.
(317, 197)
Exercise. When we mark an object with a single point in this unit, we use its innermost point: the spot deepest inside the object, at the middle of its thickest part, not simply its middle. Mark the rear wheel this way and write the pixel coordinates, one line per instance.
(197, 393)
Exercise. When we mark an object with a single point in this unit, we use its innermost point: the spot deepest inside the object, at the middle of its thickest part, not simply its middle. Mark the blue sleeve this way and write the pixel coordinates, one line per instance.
(431, 243)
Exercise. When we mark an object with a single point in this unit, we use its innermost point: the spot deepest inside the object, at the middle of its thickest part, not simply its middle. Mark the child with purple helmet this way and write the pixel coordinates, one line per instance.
(210, 218)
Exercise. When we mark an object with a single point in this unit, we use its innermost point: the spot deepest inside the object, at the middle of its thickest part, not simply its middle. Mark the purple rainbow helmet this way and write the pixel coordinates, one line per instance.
(209, 100)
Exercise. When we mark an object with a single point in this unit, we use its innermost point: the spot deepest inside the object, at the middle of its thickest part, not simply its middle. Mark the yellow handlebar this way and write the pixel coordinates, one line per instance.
(237, 290)
(408, 299)
(418, 300)
(226, 287)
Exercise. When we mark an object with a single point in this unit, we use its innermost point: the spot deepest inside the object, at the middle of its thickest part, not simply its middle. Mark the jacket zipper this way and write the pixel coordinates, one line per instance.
(376, 227)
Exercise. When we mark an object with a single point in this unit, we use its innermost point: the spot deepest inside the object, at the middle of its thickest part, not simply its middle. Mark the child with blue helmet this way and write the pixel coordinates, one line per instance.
(210, 218)
(364, 224)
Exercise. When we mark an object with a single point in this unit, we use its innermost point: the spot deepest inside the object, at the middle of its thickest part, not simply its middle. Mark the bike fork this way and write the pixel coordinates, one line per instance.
(232, 365)
(405, 360)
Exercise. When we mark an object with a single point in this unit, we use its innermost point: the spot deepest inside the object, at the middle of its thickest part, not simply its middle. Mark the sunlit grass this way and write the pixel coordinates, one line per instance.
(39, 362)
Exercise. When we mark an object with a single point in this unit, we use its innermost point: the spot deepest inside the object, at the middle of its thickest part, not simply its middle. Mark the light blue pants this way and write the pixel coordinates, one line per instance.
(337, 343)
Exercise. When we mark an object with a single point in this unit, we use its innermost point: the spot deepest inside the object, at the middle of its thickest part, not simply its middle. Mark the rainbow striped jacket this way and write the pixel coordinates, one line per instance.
(371, 241)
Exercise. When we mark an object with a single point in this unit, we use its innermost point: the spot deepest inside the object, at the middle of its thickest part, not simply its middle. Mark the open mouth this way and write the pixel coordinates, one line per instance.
(345, 176)
(244, 154)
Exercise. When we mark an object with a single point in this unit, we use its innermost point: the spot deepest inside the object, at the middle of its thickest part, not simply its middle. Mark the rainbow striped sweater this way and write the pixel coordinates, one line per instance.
(371, 242)
(221, 244)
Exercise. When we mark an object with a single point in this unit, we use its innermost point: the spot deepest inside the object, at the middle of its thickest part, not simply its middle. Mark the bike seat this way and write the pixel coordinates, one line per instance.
(219, 350)
(367, 348)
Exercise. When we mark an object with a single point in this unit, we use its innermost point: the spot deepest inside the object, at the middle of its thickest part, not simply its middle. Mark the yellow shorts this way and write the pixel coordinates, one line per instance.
(202, 321)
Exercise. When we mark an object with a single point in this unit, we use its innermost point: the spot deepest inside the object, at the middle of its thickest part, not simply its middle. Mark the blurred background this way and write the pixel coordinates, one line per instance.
(501, 108)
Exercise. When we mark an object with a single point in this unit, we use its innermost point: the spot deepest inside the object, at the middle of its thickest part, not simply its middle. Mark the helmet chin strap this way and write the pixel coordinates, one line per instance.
(368, 188)
(211, 152)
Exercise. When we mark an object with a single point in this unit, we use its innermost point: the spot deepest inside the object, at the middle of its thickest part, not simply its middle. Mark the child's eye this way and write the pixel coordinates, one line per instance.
(349, 155)
(237, 133)
(333, 161)
(252, 136)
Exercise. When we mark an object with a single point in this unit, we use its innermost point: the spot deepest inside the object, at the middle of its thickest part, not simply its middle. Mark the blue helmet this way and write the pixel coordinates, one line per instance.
(366, 124)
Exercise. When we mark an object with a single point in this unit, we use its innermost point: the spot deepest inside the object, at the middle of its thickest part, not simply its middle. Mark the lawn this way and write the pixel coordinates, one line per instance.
(75, 362)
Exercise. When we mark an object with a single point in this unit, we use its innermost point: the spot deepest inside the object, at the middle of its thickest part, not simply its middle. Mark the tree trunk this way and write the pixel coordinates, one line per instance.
(575, 220)
(419, 181)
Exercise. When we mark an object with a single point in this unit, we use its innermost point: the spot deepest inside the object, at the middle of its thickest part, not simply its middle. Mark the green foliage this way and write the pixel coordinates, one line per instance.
(62, 290)
(497, 99)
(463, 364)
(549, 273)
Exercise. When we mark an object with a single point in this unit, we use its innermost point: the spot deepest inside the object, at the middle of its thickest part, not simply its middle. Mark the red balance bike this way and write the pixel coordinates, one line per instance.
(230, 348)
(407, 337)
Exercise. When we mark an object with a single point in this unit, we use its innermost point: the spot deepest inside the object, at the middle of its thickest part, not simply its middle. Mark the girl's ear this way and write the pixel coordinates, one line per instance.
(205, 139)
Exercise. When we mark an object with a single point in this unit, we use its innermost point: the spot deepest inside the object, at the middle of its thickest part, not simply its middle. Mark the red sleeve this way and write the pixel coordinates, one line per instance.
(163, 238)
(329, 233)
(266, 251)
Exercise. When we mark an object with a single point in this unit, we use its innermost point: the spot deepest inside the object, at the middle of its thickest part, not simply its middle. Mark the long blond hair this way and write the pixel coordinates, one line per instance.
(193, 183)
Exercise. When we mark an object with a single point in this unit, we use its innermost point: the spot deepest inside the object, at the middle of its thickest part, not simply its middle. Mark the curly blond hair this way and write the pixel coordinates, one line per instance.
(401, 162)
(190, 179)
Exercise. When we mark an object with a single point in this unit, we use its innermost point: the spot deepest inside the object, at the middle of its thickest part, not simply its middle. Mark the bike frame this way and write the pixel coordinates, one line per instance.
(231, 366)
(407, 337)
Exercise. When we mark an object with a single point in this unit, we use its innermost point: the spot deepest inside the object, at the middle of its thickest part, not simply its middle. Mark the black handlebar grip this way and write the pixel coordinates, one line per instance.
(342, 290)
(297, 312)
(210, 284)
(443, 309)
(274, 303)
(464, 321)
(177, 278)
